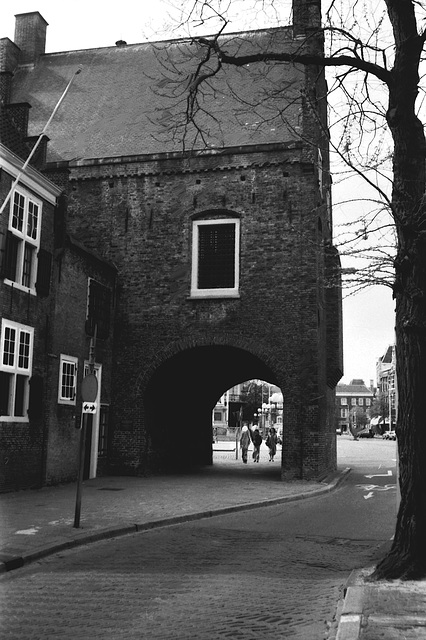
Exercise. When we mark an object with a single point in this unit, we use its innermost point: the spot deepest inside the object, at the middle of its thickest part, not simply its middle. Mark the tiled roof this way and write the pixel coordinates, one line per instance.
(128, 99)
(353, 389)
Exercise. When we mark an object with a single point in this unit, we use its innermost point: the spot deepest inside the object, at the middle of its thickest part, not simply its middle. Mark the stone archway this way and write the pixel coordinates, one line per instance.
(180, 395)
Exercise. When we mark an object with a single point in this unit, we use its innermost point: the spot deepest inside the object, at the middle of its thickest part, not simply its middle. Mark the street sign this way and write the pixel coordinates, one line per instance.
(90, 407)
(89, 388)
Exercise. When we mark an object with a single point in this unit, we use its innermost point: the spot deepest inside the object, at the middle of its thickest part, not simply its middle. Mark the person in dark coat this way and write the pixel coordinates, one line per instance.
(271, 443)
(257, 441)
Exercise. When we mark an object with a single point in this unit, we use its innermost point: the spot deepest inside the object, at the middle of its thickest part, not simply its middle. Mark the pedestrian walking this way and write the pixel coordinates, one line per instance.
(257, 441)
(245, 440)
(271, 443)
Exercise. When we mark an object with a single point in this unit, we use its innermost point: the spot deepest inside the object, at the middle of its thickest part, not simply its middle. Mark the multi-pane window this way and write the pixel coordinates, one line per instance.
(353, 401)
(343, 401)
(368, 402)
(22, 240)
(215, 258)
(15, 369)
(361, 402)
(343, 413)
(67, 380)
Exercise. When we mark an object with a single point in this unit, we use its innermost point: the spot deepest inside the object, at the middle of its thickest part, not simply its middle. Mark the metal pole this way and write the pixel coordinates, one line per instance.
(80, 472)
(83, 438)
(39, 139)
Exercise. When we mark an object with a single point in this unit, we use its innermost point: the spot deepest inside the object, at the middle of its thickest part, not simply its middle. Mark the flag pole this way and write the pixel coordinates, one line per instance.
(39, 139)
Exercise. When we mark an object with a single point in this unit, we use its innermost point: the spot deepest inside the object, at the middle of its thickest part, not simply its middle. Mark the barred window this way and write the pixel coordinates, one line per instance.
(215, 258)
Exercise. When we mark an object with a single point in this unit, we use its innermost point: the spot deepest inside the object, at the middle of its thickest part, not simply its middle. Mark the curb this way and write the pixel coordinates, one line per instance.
(9, 563)
(351, 616)
(350, 621)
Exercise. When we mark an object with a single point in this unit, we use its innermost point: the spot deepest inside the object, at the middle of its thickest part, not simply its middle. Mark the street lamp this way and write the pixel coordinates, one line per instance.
(266, 408)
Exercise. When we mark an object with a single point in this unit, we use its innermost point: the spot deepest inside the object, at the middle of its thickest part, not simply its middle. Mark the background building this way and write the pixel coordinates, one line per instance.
(387, 389)
(353, 404)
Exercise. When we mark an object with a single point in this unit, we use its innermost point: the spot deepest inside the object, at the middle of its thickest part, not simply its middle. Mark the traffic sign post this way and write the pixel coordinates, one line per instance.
(89, 393)
(90, 407)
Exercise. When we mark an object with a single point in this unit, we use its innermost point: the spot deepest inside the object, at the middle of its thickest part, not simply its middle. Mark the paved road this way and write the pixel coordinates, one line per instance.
(271, 573)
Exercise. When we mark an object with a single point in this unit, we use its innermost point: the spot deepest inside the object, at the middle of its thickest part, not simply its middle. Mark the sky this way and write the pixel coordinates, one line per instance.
(368, 316)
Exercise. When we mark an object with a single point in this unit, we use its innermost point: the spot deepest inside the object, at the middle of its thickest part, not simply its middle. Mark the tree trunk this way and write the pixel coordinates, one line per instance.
(407, 557)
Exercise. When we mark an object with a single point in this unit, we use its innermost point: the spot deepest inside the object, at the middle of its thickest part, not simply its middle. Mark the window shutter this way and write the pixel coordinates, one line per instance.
(35, 406)
(44, 269)
(216, 256)
(9, 256)
(2, 253)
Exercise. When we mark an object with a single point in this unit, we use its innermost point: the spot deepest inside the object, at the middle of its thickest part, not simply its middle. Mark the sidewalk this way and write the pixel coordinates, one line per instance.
(36, 523)
(393, 610)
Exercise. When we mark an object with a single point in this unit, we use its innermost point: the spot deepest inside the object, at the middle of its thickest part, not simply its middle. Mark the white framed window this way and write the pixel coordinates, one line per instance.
(16, 356)
(343, 401)
(22, 240)
(68, 366)
(215, 258)
(361, 402)
(368, 402)
(343, 413)
(353, 401)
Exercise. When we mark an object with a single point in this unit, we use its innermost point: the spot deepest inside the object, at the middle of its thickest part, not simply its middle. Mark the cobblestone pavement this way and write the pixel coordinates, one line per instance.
(33, 522)
(254, 575)
(207, 578)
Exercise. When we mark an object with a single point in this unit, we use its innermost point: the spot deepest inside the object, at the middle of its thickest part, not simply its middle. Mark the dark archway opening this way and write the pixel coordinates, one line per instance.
(181, 395)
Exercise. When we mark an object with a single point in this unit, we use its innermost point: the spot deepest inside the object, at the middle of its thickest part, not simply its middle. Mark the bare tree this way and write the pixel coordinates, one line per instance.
(376, 65)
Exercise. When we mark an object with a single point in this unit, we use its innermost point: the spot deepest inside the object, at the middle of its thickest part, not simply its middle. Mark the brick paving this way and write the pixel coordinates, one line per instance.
(231, 577)
(35, 521)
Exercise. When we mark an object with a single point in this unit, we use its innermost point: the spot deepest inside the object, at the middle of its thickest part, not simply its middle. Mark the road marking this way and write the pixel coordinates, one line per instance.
(369, 495)
(381, 475)
(376, 487)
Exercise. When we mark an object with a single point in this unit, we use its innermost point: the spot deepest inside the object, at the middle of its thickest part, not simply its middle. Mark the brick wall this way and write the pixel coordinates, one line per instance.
(23, 444)
(139, 215)
(72, 268)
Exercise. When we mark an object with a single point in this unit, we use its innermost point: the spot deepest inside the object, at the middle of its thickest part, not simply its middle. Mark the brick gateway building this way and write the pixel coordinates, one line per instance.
(225, 266)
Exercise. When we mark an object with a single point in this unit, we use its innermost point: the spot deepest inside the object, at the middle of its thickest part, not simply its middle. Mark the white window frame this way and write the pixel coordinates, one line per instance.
(20, 364)
(231, 292)
(28, 235)
(343, 401)
(66, 361)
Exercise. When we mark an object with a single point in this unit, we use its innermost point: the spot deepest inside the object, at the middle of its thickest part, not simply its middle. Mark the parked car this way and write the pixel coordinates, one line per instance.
(365, 433)
(389, 435)
(339, 431)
